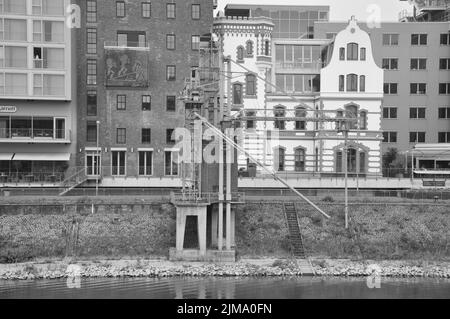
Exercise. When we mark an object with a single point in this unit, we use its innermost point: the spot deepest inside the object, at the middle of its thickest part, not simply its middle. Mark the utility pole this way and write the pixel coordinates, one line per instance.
(345, 159)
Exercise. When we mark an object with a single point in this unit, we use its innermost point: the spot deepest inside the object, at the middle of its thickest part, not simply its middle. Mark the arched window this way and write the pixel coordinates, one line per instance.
(279, 159)
(240, 53)
(250, 84)
(267, 48)
(352, 83)
(352, 51)
(249, 48)
(299, 159)
(237, 93)
(362, 83)
(356, 161)
(341, 83)
(351, 112)
(279, 114)
(342, 54)
(363, 120)
(363, 54)
(300, 124)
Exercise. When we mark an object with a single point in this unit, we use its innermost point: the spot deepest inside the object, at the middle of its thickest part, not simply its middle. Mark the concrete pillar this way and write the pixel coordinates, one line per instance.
(220, 226)
(233, 226)
(201, 224)
(214, 221)
(181, 226)
(228, 226)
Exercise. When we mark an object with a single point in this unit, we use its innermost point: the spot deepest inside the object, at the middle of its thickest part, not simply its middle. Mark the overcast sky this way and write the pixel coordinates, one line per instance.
(341, 10)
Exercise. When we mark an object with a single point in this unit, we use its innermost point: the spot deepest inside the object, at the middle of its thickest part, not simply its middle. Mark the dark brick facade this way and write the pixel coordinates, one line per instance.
(158, 119)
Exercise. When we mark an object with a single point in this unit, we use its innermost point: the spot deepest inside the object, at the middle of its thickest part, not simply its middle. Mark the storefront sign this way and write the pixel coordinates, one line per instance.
(8, 109)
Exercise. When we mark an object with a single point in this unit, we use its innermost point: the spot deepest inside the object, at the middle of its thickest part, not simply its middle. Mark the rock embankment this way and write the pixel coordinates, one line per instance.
(28, 271)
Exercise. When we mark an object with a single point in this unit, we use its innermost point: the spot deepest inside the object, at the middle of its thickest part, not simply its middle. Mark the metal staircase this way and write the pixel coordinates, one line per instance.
(73, 181)
(295, 236)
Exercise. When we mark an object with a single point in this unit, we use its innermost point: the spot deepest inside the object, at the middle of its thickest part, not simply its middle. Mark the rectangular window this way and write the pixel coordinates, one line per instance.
(121, 136)
(118, 163)
(92, 103)
(92, 40)
(445, 38)
(171, 103)
(121, 102)
(170, 41)
(145, 163)
(417, 137)
(146, 136)
(146, 103)
(418, 64)
(443, 137)
(195, 12)
(444, 88)
(341, 83)
(416, 112)
(389, 112)
(169, 136)
(171, 73)
(390, 64)
(363, 54)
(91, 11)
(444, 113)
(390, 39)
(146, 9)
(444, 64)
(419, 39)
(91, 72)
(131, 39)
(91, 131)
(195, 42)
(170, 10)
(170, 163)
(120, 9)
(418, 88)
(389, 137)
(390, 88)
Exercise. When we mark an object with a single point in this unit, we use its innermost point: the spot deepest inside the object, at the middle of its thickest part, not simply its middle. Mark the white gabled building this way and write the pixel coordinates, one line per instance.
(303, 79)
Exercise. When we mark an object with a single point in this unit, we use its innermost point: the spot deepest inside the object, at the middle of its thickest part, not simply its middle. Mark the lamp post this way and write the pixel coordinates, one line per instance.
(97, 166)
(346, 175)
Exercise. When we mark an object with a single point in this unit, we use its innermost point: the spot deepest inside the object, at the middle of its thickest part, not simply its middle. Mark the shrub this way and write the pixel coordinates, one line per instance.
(328, 199)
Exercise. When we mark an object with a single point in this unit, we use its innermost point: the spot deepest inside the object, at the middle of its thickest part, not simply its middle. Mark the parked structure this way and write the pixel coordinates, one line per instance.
(38, 96)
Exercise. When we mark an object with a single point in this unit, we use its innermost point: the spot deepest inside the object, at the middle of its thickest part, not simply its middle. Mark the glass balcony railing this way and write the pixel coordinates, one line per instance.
(28, 133)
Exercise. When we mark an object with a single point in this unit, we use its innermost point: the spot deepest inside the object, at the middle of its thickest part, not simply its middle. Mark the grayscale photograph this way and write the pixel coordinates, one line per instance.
(247, 151)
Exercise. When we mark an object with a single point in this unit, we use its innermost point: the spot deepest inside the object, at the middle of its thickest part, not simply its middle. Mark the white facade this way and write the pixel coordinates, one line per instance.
(288, 108)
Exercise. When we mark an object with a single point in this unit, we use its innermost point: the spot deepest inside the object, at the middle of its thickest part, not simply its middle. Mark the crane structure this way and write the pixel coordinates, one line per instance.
(210, 189)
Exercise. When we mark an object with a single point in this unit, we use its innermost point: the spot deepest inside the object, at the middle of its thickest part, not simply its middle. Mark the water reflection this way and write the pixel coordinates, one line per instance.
(228, 288)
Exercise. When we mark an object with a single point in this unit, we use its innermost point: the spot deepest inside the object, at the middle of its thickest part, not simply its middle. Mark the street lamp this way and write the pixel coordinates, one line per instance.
(97, 166)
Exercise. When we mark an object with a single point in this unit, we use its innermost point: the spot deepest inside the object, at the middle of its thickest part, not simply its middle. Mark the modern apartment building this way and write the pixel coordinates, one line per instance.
(134, 57)
(291, 22)
(415, 57)
(37, 96)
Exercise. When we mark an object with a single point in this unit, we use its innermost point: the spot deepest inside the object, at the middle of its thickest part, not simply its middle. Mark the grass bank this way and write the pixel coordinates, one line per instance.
(143, 228)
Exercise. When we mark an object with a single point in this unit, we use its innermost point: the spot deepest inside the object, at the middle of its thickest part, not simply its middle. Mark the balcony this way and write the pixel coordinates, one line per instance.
(299, 67)
(28, 135)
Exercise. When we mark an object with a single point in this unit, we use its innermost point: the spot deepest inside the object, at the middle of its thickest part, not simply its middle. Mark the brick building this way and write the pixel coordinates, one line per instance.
(134, 57)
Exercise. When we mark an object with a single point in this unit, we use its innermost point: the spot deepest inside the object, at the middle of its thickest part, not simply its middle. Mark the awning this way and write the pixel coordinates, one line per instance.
(6, 156)
(41, 157)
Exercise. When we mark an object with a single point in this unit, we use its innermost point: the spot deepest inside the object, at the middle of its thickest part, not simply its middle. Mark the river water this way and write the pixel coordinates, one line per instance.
(226, 288)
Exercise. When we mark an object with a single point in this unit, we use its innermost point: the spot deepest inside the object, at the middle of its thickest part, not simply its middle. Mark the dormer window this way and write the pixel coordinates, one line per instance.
(352, 51)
